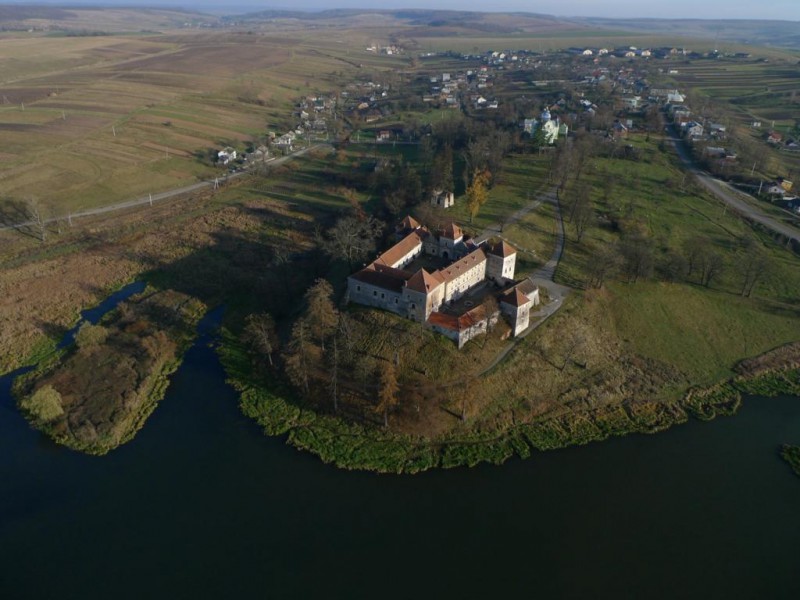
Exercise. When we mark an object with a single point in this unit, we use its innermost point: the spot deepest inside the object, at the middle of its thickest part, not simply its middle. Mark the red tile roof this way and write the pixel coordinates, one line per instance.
(402, 248)
(503, 249)
(409, 223)
(452, 232)
(454, 323)
(463, 265)
(515, 298)
(423, 282)
(380, 276)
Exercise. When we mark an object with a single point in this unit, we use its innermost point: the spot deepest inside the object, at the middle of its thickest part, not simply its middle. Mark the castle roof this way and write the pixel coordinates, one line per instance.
(409, 223)
(423, 282)
(515, 298)
(387, 278)
(454, 323)
(452, 232)
(463, 265)
(400, 250)
(502, 248)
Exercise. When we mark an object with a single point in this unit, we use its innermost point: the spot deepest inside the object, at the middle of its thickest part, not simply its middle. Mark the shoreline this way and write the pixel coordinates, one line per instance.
(353, 446)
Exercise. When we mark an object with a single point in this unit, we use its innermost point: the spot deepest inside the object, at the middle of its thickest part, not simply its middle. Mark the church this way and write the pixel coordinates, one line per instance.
(442, 279)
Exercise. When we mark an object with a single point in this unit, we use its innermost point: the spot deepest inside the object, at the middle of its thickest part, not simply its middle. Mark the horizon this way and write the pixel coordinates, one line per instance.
(782, 10)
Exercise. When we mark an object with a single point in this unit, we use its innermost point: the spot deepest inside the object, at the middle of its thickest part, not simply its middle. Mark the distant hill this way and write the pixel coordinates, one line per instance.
(430, 22)
(91, 19)
(779, 34)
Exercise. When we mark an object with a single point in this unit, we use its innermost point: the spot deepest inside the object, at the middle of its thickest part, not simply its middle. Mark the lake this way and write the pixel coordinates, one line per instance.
(201, 505)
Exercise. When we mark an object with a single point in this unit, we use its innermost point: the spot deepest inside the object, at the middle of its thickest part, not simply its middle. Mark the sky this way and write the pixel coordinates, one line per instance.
(788, 10)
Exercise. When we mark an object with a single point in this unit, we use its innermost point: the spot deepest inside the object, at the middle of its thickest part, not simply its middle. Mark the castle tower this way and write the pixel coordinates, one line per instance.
(517, 307)
(502, 260)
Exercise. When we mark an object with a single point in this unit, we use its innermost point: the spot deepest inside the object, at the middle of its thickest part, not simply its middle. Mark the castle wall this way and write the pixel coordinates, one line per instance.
(458, 286)
(371, 295)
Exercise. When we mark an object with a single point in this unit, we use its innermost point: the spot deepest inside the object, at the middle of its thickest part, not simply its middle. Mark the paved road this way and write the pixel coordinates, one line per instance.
(732, 197)
(161, 196)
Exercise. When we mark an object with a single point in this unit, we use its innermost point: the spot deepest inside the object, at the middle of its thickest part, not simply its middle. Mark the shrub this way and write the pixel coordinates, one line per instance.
(44, 404)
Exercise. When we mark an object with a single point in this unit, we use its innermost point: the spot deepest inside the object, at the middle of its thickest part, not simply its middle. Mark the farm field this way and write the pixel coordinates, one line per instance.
(90, 121)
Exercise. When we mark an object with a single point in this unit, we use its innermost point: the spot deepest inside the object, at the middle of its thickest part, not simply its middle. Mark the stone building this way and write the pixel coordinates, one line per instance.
(396, 281)
(442, 199)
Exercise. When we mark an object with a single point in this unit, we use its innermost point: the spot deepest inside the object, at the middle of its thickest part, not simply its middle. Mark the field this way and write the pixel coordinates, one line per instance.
(90, 121)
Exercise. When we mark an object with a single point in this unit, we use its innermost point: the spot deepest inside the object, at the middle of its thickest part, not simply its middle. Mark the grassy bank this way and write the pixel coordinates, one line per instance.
(791, 454)
(363, 446)
(96, 394)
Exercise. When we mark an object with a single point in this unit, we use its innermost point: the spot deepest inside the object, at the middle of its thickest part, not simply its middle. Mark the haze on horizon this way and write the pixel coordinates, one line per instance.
(785, 10)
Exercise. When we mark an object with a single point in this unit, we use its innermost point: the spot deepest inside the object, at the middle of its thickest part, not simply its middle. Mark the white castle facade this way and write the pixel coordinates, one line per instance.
(422, 295)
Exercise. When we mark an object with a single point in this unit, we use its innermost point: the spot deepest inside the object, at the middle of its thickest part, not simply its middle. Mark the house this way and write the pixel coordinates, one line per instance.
(619, 130)
(442, 199)
(384, 135)
(693, 130)
(774, 188)
(226, 155)
(632, 102)
(775, 138)
(402, 280)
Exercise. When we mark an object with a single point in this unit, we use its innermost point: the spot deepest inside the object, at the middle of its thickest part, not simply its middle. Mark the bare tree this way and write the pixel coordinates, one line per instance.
(753, 267)
(36, 218)
(352, 239)
(637, 253)
(711, 266)
(259, 333)
(387, 390)
(582, 216)
(605, 263)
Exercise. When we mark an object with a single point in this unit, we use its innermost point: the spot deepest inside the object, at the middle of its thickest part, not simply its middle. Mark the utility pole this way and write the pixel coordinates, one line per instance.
(114, 130)
(151, 199)
(753, 169)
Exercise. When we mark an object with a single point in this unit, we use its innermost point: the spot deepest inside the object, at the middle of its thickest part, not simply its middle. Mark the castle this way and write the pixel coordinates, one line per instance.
(425, 275)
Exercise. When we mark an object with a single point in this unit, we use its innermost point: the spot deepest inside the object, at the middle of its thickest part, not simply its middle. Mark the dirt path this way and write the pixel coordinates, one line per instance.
(542, 277)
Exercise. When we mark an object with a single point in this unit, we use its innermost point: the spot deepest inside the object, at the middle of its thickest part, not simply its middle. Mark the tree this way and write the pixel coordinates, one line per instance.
(352, 239)
(674, 266)
(321, 315)
(36, 218)
(711, 266)
(606, 263)
(695, 249)
(259, 332)
(442, 172)
(753, 267)
(477, 193)
(90, 335)
(333, 380)
(299, 357)
(387, 390)
(44, 404)
(582, 214)
(637, 255)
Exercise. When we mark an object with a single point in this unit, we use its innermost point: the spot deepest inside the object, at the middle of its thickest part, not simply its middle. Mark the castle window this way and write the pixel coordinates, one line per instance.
(383, 295)
(395, 300)
(358, 288)
(374, 292)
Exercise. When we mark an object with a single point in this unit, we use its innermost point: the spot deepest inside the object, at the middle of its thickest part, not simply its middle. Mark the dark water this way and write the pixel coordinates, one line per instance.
(93, 315)
(201, 505)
